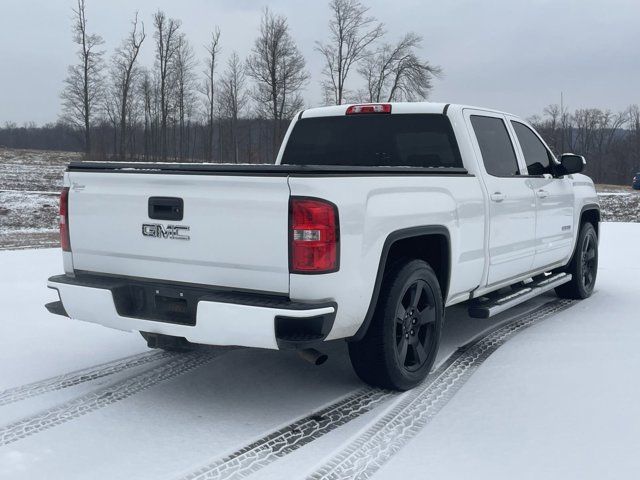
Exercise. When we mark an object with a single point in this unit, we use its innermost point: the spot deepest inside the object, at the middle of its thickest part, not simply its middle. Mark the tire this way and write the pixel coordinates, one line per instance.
(583, 266)
(402, 341)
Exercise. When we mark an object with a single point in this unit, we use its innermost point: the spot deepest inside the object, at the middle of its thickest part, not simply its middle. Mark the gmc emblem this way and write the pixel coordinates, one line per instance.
(175, 232)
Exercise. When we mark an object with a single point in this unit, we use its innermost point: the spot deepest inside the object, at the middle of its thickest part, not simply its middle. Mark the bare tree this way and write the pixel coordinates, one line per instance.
(183, 66)
(396, 73)
(233, 97)
(147, 92)
(587, 121)
(124, 73)
(83, 85)
(111, 114)
(166, 36)
(208, 87)
(352, 31)
(633, 115)
(278, 68)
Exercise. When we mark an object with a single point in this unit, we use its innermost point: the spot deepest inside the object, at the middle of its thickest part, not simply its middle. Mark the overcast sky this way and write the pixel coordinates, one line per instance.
(514, 55)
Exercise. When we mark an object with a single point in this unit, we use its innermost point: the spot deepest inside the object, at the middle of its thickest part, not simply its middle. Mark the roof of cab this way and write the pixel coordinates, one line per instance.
(397, 107)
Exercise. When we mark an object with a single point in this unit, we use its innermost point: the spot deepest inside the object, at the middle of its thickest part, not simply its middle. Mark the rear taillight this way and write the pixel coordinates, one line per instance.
(369, 108)
(65, 241)
(313, 236)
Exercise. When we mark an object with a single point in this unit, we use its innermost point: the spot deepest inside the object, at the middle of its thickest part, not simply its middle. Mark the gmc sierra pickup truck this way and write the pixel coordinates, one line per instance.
(374, 218)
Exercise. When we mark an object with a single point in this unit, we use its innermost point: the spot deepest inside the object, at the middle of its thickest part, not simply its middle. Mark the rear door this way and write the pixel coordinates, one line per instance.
(554, 199)
(512, 214)
(233, 230)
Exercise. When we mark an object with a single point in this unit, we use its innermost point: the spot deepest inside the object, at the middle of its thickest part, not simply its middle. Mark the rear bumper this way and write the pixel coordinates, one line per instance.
(199, 314)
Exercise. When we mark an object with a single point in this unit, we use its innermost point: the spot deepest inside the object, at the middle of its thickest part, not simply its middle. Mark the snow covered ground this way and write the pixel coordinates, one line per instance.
(560, 400)
(30, 182)
(557, 400)
(31, 179)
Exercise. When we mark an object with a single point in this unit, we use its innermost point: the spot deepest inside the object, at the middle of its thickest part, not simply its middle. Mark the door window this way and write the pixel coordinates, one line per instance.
(497, 150)
(536, 155)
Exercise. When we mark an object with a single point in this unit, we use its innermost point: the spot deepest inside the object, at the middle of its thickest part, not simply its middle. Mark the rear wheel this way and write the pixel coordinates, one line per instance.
(583, 266)
(402, 341)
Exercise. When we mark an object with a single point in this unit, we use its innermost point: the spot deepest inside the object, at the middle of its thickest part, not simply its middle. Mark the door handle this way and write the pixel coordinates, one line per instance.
(166, 208)
(498, 196)
(542, 193)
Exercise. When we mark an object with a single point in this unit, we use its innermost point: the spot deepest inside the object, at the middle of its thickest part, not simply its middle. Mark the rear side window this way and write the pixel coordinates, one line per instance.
(412, 140)
(535, 153)
(496, 148)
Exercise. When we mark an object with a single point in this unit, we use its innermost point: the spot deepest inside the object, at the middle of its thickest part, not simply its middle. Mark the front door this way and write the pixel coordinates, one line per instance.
(512, 214)
(554, 200)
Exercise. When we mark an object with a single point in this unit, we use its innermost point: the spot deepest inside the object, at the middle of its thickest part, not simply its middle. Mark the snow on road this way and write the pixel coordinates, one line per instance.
(559, 400)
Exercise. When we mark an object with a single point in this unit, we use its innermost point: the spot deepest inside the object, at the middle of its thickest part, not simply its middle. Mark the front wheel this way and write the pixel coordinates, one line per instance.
(402, 341)
(583, 266)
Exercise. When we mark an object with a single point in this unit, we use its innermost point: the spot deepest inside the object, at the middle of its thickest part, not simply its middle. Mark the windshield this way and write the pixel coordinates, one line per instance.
(412, 140)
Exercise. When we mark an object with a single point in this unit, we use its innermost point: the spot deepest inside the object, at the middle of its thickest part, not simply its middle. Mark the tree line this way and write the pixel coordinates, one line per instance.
(609, 141)
(188, 108)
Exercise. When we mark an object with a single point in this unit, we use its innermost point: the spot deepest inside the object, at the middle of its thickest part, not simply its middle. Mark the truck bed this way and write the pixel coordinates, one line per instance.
(254, 169)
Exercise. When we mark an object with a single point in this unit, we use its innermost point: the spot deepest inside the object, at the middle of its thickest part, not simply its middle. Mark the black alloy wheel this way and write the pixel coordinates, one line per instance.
(402, 341)
(589, 262)
(583, 266)
(415, 326)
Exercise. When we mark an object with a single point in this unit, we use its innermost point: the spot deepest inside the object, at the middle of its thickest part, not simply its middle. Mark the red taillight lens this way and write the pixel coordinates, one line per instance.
(314, 236)
(65, 241)
(369, 108)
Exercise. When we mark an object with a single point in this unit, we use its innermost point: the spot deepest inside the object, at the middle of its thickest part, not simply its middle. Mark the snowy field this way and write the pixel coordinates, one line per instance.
(548, 390)
(619, 204)
(30, 181)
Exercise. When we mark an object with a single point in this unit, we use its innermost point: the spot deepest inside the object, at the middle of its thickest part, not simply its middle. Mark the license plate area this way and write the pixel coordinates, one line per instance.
(175, 304)
(159, 303)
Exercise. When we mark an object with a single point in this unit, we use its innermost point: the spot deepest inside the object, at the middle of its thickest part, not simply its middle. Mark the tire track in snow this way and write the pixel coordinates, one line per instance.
(260, 453)
(72, 379)
(103, 397)
(268, 449)
(378, 443)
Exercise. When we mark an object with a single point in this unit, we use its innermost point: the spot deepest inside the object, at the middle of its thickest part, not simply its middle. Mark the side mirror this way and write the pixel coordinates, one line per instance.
(571, 163)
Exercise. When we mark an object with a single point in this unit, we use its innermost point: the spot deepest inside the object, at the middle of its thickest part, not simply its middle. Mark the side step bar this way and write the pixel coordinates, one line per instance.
(490, 305)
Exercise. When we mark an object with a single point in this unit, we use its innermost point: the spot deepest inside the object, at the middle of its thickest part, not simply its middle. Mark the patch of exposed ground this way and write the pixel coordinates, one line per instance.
(31, 179)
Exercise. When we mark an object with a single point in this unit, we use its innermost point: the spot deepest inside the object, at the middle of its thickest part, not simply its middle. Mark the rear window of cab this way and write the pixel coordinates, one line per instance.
(374, 140)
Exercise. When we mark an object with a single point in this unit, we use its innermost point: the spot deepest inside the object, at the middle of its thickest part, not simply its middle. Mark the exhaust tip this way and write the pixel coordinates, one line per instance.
(323, 357)
(313, 356)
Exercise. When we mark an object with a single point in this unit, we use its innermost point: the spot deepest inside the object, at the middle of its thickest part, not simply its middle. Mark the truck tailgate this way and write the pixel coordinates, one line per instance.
(237, 228)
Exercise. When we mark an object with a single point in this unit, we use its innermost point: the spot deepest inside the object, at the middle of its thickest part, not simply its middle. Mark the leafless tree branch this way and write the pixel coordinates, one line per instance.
(83, 86)
(279, 71)
(351, 32)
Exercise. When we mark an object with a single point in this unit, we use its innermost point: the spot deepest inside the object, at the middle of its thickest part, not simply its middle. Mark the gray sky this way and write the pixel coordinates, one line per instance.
(513, 55)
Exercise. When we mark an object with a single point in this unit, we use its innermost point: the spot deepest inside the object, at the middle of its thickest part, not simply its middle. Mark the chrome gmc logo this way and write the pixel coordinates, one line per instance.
(175, 232)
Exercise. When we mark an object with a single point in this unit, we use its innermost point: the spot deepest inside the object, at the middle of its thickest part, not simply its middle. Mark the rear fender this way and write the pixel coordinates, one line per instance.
(413, 232)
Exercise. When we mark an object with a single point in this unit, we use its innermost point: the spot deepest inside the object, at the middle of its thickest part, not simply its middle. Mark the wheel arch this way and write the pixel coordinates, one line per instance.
(431, 243)
(591, 214)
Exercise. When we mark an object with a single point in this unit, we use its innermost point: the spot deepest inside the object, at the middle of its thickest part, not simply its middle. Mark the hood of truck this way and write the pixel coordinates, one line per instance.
(234, 230)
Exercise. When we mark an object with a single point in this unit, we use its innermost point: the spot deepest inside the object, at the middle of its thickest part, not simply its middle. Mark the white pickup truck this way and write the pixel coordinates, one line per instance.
(374, 219)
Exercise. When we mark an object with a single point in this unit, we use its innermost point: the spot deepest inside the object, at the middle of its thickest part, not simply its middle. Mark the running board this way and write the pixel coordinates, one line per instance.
(488, 306)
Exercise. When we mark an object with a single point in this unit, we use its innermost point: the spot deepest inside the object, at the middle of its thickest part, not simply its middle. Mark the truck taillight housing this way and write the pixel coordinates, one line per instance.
(314, 236)
(65, 240)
